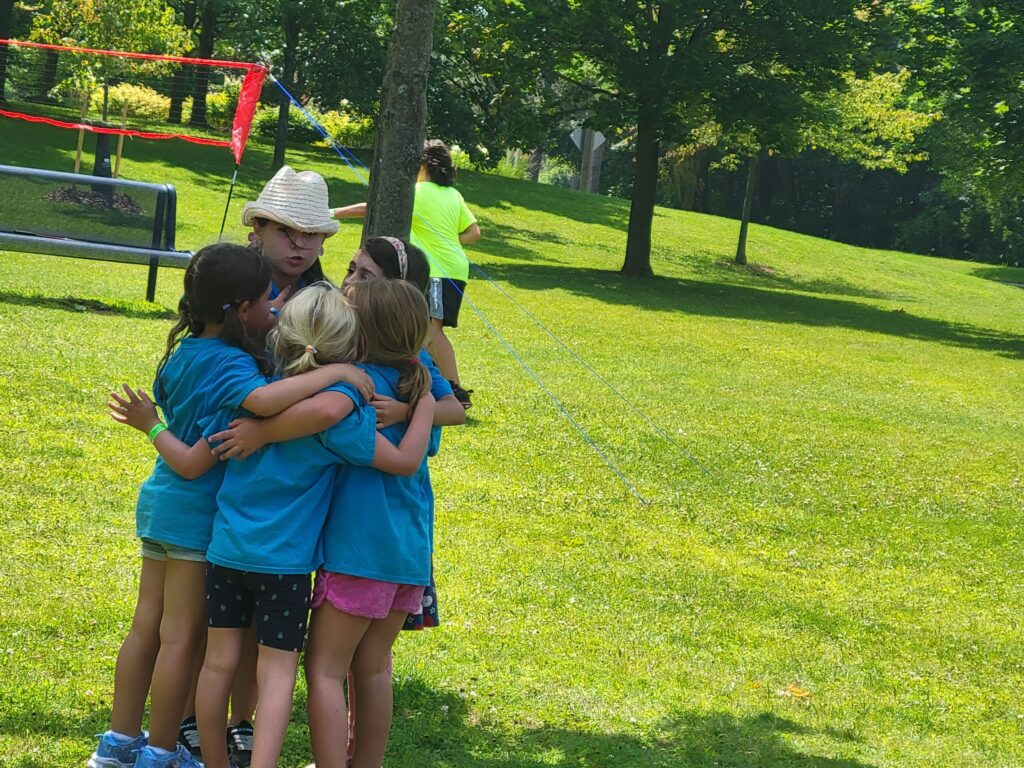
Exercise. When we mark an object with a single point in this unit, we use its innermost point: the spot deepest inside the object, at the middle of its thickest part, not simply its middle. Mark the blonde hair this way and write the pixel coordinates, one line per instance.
(393, 327)
(316, 327)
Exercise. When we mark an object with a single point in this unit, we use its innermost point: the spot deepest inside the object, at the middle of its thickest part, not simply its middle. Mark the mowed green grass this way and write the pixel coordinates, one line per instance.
(857, 539)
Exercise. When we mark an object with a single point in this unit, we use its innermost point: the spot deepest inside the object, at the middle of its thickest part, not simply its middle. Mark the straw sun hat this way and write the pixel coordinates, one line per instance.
(297, 200)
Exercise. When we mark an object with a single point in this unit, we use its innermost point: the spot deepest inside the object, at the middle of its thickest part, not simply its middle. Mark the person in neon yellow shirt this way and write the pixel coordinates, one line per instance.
(441, 225)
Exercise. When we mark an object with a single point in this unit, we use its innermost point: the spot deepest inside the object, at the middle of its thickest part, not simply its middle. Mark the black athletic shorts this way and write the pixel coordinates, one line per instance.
(445, 299)
(278, 603)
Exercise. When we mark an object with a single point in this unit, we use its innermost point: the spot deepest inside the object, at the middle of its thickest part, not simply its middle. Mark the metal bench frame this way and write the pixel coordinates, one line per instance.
(161, 252)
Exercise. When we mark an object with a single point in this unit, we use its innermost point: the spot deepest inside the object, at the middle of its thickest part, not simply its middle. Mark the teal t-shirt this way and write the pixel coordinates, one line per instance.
(272, 505)
(439, 387)
(439, 214)
(379, 525)
(203, 383)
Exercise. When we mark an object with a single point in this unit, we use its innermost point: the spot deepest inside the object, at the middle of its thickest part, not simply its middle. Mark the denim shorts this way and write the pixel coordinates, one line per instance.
(159, 550)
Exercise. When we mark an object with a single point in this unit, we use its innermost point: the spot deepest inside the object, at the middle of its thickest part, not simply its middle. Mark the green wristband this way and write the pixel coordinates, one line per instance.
(156, 430)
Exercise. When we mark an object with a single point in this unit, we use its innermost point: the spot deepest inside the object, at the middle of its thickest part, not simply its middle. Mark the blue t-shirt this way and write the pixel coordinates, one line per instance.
(203, 383)
(379, 525)
(272, 505)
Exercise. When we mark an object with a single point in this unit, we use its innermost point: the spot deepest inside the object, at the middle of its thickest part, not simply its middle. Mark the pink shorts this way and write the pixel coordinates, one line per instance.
(365, 597)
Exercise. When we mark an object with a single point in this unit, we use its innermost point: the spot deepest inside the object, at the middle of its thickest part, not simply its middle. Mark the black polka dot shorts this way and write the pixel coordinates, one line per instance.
(277, 603)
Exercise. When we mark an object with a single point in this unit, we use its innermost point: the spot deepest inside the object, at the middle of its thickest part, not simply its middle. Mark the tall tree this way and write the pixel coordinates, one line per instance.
(6, 25)
(662, 64)
(401, 124)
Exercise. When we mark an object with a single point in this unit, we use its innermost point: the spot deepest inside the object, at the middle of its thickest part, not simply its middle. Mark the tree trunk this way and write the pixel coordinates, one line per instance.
(48, 79)
(788, 192)
(748, 199)
(645, 189)
(291, 47)
(6, 27)
(182, 72)
(201, 79)
(401, 125)
(534, 165)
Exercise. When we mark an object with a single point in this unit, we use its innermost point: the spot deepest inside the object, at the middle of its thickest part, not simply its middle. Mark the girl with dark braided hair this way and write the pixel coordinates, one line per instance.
(441, 225)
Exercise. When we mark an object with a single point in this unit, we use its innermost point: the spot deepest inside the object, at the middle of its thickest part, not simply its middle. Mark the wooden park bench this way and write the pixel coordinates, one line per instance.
(89, 217)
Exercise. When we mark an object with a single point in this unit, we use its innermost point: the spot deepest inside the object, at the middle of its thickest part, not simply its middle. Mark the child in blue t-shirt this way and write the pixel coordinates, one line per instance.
(376, 543)
(208, 372)
(270, 510)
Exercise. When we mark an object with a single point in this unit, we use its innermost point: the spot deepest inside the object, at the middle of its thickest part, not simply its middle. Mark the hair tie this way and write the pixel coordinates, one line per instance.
(311, 349)
(403, 258)
(413, 360)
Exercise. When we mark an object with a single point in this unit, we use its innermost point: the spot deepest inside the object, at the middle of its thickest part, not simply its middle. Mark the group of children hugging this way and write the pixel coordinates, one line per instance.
(297, 418)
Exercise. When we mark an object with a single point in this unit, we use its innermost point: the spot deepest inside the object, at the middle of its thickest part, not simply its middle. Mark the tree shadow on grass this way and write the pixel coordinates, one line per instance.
(1007, 275)
(76, 304)
(761, 275)
(436, 727)
(745, 302)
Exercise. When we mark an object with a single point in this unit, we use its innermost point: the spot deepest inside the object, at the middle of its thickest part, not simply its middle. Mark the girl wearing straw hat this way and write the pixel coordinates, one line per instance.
(290, 221)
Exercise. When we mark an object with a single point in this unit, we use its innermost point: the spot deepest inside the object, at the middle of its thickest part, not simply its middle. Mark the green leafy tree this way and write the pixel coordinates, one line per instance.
(967, 59)
(666, 67)
(146, 26)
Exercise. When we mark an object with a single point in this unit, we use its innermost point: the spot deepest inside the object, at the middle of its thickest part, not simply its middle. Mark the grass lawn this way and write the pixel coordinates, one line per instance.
(841, 592)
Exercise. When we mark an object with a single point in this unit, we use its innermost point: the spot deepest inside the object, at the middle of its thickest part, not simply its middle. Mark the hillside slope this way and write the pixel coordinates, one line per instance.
(839, 588)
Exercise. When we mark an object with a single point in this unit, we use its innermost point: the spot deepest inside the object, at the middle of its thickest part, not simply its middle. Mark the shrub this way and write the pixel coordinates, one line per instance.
(299, 129)
(348, 128)
(142, 102)
(557, 171)
(221, 104)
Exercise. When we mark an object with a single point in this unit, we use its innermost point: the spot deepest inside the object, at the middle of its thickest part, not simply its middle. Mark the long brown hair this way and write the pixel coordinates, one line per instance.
(218, 279)
(393, 327)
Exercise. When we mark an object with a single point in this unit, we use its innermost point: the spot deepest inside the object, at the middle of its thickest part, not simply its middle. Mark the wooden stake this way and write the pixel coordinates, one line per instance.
(81, 131)
(120, 139)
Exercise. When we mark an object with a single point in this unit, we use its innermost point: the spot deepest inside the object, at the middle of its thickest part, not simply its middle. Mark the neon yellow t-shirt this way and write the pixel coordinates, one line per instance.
(439, 215)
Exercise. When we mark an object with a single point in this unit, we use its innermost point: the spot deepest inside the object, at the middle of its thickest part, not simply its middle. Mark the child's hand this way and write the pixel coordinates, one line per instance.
(357, 377)
(242, 438)
(135, 409)
(389, 410)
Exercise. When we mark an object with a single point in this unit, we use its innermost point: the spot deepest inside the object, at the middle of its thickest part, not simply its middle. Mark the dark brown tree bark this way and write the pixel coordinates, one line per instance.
(534, 165)
(6, 25)
(401, 125)
(291, 47)
(183, 72)
(748, 199)
(645, 188)
(201, 78)
(48, 79)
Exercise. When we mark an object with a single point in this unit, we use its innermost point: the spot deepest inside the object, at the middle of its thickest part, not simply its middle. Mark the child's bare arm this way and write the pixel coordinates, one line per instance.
(276, 396)
(137, 410)
(308, 417)
(448, 412)
(406, 458)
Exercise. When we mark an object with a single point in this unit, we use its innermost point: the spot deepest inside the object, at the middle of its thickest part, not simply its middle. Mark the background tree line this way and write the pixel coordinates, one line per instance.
(889, 124)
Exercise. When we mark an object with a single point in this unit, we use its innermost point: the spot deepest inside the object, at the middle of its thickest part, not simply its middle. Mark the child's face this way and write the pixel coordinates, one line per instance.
(291, 251)
(361, 267)
(255, 313)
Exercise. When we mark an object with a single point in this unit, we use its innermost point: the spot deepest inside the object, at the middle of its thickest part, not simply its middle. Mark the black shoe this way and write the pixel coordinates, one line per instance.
(240, 744)
(462, 395)
(188, 736)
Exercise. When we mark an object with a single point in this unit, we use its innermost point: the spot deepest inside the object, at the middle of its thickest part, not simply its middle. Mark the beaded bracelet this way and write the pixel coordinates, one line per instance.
(156, 430)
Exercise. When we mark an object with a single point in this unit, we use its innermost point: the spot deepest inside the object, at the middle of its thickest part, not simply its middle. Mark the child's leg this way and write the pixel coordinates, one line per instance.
(244, 690)
(371, 674)
(333, 638)
(440, 347)
(275, 675)
(181, 629)
(223, 653)
(135, 661)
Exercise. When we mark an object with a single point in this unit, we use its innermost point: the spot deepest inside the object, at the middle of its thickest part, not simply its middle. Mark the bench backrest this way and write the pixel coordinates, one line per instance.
(92, 209)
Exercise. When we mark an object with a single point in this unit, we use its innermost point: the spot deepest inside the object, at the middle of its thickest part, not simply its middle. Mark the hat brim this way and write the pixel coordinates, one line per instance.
(253, 210)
